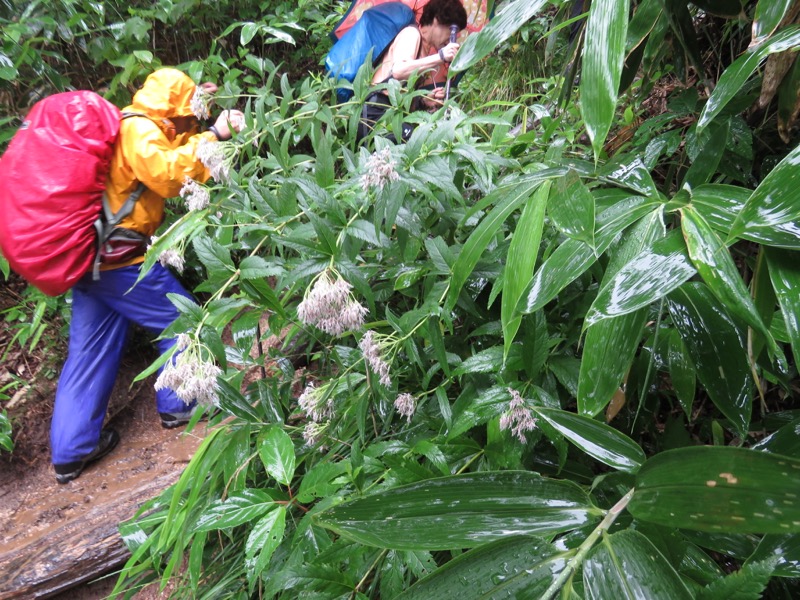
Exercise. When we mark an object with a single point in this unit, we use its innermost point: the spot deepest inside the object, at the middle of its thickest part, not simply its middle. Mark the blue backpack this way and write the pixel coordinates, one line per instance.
(374, 31)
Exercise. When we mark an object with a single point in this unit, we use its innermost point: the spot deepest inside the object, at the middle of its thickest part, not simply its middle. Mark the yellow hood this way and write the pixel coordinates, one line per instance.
(166, 93)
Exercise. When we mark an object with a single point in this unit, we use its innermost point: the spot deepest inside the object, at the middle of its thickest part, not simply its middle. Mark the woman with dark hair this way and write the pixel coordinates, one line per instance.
(421, 48)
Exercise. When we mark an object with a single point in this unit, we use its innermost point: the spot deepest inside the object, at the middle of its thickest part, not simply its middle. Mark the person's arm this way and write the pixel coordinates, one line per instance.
(401, 60)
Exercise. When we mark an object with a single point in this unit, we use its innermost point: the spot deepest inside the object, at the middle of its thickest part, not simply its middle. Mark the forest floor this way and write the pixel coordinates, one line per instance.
(53, 536)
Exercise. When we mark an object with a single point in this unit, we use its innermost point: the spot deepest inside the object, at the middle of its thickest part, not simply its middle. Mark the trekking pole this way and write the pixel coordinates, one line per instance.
(453, 34)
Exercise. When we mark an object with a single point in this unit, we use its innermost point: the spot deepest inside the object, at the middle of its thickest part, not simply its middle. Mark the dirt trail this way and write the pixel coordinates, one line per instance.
(53, 537)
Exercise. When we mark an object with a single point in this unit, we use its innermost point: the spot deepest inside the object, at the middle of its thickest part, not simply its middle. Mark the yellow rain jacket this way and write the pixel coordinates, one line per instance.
(149, 151)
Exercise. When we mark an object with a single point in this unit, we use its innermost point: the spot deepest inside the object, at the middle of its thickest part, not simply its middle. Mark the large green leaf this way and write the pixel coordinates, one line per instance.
(505, 24)
(239, 508)
(602, 371)
(608, 352)
(717, 488)
(264, 538)
(627, 566)
(649, 276)
(520, 263)
(276, 450)
(461, 511)
(508, 199)
(715, 265)
(573, 257)
(596, 439)
(719, 204)
(786, 440)
(717, 346)
(785, 276)
(571, 208)
(772, 212)
(519, 567)
(603, 56)
(682, 372)
(767, 18)
(736, 75)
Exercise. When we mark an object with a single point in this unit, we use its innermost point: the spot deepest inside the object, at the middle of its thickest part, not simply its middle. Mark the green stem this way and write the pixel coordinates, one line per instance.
(371, 567)
(587, 544)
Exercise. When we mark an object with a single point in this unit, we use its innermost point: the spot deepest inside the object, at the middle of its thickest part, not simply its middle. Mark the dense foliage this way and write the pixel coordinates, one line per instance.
(546, 348)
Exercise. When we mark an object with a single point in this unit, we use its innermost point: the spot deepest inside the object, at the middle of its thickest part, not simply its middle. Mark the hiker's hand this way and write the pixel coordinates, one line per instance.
(227, 120)
(434, 100)
(448, 53)
(208, 87)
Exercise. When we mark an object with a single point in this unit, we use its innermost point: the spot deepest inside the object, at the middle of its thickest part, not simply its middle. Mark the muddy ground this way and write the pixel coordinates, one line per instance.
(54, 535)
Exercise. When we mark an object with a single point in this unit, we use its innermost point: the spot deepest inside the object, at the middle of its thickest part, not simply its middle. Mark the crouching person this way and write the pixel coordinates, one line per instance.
(156, 151)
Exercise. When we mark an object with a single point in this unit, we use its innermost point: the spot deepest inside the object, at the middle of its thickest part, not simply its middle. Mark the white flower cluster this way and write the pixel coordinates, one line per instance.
(406, 405)
(518, 417)
(373, 354)
(329, 306)
(312, 402)
(379, 170)
(312, 432)
(199, 103)
(196, 195)
(170, 257)
(191, 378)
(212, 155)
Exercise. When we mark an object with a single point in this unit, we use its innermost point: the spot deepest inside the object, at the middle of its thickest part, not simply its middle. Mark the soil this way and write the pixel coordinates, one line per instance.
(53, 537)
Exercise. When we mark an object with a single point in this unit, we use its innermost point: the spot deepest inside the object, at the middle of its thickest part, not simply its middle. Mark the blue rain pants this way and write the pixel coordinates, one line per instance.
(102, 312)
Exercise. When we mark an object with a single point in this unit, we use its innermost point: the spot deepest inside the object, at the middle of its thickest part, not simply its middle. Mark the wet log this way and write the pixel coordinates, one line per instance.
(80, 550)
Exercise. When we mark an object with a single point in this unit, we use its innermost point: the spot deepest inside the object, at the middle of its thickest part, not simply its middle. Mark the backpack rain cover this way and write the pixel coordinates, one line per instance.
(54, 173)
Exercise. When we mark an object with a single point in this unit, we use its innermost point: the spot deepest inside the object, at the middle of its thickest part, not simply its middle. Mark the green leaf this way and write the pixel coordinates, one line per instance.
(572, 257)
(249, 31)
(682, 372)
(461, 511)
(508, 199)
(767, 18)
(596, 439)
(771, 214)
(601, 71)
(517, 567)
(627, 566)
(571, 208)
(264, 538)
(736, 75)
(717, 347)
(215, 257)
(320, 481)
(276, 450)
(255, 267)
(502, 26)
(239, 508)
(602, 371)
(715, 265)
(785, 549)
(748, 583)
(785, 440)
(718, 488)
(649, 276)
(784, 272)
(713, 143)
(719, 204)
(473, 409)
(521, 261)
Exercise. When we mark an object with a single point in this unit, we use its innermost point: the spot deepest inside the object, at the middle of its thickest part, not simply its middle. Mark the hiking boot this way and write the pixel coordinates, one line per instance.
(66, 472)
(173, 420)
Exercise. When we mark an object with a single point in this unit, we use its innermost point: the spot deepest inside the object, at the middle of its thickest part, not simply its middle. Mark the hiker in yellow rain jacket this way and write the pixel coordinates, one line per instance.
(158, 148)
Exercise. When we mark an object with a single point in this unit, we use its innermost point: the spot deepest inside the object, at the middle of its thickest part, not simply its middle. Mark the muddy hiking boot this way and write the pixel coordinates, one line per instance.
(66, 472)
(173, 420)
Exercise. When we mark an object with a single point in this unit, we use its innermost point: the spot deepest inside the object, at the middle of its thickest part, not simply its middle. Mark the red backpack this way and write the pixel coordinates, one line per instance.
(53, 177)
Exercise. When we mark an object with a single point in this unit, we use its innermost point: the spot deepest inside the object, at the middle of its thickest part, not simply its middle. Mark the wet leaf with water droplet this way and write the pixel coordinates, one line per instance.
(627, 566)
(719, 489)
(518, 567)
(717, 347)
(461, 511)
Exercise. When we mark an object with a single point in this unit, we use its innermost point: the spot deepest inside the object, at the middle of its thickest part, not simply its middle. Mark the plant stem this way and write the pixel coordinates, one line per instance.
(587, 544)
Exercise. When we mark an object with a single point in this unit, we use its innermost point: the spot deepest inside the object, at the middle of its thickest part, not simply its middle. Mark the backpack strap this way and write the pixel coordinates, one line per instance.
(104, 224)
